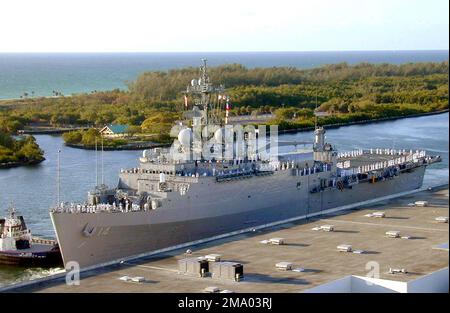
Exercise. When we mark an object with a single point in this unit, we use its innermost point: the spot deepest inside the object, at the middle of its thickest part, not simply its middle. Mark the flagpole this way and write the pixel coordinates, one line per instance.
(103, 178)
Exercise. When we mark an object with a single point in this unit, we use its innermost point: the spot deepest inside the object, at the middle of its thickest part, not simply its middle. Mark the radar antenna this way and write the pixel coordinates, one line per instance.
(207, 99)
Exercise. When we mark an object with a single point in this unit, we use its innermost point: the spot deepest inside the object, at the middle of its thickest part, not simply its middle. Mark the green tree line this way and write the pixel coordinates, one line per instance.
(154, 100)
(24, 150)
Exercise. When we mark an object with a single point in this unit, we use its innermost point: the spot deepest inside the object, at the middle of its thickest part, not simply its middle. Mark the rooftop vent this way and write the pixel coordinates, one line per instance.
(137, 279)
(442, 219)
(397, 271)
(277, 241)
(125, 278)
(393, 234)
(421, 203)
(211, 289)
(326, 228)
(344, 248)
(378, 214)
(284, 266)
(273, 241)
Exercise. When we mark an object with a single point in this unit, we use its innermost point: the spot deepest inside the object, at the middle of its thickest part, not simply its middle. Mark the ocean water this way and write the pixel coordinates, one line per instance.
(68, 73)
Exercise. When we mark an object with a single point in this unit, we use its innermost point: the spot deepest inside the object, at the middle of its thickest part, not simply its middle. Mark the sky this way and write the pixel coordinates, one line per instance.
(228, 25)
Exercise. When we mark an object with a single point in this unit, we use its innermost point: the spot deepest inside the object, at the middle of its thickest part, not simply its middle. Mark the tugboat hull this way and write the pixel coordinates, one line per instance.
(39, 255)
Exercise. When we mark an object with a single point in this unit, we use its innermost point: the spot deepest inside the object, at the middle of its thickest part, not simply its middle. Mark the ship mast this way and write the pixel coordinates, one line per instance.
(103, 176)
(58, 180)
(96, 164)
(204, 83)
(207, 99)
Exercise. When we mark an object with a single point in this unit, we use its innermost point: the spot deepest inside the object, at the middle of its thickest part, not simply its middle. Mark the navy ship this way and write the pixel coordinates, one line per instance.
(219, 179)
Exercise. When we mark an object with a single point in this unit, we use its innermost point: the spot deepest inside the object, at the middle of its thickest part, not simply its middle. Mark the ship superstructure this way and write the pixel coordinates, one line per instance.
(219, 178)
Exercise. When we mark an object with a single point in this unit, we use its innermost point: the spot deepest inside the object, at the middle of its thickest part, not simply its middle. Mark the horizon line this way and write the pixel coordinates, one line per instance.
(253, 51)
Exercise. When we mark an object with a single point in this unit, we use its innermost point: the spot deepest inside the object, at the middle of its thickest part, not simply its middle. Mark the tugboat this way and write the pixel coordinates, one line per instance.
(19, 247)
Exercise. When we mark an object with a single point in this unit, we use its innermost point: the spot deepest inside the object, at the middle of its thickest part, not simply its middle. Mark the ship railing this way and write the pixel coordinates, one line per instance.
(19, 233)
(402, 160)
(235, 176)
(39, 240)
(98, 208)
(305, 171)
(382, 151)
(389, 168)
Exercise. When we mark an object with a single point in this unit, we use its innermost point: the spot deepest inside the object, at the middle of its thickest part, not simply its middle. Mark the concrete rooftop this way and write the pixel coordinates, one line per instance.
(315, 251)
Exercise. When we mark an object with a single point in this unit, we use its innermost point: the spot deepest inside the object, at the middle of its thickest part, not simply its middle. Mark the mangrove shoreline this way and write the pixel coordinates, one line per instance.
(372, 121)
(8, 165)
(297, 130)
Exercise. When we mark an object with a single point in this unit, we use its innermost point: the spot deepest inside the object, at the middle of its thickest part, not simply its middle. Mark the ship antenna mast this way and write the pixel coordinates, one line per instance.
(96, 164)
(205, 81)
(11, 210)
(58, 179)
(207, 98)
(103, 176)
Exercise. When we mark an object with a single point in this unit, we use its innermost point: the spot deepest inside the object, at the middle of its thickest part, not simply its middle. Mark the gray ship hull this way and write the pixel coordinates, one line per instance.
(92, 239)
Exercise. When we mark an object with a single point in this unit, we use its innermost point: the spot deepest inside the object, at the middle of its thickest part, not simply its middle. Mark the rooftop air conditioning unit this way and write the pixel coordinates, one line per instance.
(397, 271)
(344, 248)
(213, 257)
(421, 203)
(442, 219)
(277, 241)
(284, 266)
(211, 289)
(327, 227)
(138, 279)
(125, 278)
(393, 234)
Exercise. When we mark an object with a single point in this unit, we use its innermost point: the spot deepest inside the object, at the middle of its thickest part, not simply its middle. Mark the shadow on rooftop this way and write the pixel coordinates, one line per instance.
(346, 231)
(262, 278)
